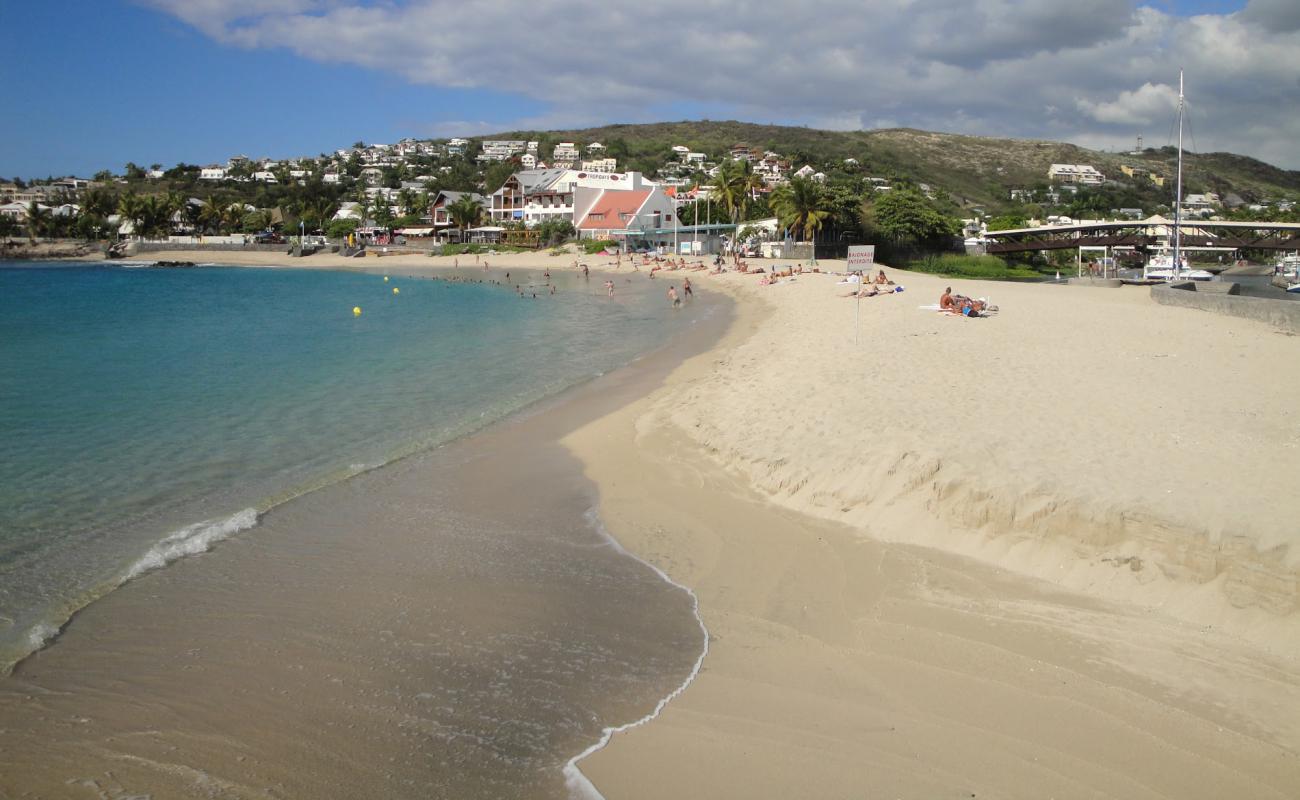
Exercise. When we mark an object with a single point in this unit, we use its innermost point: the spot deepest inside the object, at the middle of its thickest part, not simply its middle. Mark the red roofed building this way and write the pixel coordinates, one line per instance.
(623, 213)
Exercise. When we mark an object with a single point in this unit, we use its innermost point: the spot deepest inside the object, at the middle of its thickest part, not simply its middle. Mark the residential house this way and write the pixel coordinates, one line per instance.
(265, 176)
(438, 215)
(1084, 174)
(501, 149)
(1200, 204)
(565, 155)
(456, 147)
(212, 173)
(595, 149)
(741, 151)
(331, 177)
(600, 165)
(528, 161)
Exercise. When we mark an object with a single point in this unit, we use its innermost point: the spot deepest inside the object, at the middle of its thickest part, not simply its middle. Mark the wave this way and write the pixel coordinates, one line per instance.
(190, 540)
(578, 784)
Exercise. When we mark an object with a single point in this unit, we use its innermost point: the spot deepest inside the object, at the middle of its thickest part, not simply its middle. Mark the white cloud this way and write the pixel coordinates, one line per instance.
(979, 66)
(1142, 106)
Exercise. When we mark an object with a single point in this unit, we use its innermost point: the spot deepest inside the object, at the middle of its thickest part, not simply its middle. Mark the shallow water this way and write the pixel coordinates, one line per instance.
(147, 413)
(454, 623)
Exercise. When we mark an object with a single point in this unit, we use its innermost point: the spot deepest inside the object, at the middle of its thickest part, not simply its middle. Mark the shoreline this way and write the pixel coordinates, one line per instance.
(70, 663)
(922, 619)
(983, 621)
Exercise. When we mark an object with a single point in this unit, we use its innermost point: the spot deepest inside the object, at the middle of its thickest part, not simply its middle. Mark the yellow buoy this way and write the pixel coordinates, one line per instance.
(396, 290)
(356, 311)
(385, 279)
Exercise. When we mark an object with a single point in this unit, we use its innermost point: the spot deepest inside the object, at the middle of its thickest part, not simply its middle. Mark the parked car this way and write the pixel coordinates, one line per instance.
(268, 237)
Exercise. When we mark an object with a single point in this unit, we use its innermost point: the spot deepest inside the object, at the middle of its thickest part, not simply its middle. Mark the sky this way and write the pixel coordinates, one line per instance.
(93, 84)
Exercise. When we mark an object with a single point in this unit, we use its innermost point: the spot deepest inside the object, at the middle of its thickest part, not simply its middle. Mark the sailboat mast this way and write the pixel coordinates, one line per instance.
(1178, 191)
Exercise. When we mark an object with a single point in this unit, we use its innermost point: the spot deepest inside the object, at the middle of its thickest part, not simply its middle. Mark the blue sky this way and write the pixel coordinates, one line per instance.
(97, 83)
(93, 84)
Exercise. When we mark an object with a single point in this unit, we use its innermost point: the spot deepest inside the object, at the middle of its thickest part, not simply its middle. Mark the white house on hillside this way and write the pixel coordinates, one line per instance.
(212, 173)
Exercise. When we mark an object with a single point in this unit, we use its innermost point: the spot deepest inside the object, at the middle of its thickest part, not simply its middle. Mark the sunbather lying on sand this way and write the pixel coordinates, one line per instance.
(881, 280)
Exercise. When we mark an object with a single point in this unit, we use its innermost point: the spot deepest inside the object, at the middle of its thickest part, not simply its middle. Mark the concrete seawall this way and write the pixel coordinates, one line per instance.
(1222, 298)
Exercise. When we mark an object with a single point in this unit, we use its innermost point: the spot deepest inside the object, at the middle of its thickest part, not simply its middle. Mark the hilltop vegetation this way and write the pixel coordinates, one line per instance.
(972, 170)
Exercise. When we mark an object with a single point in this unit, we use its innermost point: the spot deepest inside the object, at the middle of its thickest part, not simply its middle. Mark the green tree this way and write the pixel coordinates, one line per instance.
(98, 202)
(734, 188)
(801, 206)
(130, 207)
(39, 220)
(903, 217)
(1005, 222)
(465, 213)
(212, 215)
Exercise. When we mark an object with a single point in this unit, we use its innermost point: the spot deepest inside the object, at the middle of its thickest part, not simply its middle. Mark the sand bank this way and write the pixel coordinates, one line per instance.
(1045, 554)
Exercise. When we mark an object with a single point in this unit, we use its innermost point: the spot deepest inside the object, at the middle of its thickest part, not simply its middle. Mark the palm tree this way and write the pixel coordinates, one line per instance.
(319, 209)
(233, 216)
(38, 220)
(734, 188)
(801, 206)
(98, 202)
(130, 207)
(213, 213)
(408, 201)
(465, 213)
(155, 213)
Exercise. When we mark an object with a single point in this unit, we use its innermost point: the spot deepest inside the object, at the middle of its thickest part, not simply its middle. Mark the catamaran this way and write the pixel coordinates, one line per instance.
(1172, 266)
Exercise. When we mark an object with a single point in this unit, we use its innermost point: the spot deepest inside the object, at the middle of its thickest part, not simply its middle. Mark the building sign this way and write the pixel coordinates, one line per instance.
(861, 256)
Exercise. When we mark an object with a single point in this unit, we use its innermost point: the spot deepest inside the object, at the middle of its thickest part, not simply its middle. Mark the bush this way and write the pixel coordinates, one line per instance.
(959, 266)
(341, 228)
(593, 246)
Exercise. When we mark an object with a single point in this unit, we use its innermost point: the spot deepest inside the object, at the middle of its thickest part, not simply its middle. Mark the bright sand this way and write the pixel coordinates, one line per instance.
(1047, 554)
(1044, 554)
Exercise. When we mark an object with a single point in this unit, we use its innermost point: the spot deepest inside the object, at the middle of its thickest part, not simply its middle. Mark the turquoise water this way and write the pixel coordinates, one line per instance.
(146, 413)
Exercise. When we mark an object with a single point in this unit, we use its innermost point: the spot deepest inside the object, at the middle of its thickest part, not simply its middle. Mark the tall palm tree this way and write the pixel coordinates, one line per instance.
(213, 214)
(465, 213)
(98, 202)
(130, 207)
(38, 220)
(154, 216)
(801, 206)
(233, 216)
(734, 188)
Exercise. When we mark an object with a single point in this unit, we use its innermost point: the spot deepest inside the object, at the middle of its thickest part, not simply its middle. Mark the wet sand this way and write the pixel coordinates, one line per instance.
(455, 624)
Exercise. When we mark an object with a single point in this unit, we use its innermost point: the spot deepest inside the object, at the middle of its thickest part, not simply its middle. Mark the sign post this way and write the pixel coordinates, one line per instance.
(861, 256)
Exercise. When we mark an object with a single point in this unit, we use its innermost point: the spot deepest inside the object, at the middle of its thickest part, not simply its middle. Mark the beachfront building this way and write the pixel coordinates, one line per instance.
(640, 212)
(544, 195)
(1083, 174)
(438, 216)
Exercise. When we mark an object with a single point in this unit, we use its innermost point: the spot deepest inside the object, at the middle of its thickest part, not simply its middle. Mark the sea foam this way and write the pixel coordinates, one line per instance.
(191, 540)
(578, 784)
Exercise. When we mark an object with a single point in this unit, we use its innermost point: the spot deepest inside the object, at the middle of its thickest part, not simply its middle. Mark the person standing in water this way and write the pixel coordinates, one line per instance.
(672, 296)
(686, 288)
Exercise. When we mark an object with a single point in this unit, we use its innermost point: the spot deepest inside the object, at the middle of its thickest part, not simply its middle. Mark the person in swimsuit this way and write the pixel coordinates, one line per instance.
(672, 296)
(686, 288)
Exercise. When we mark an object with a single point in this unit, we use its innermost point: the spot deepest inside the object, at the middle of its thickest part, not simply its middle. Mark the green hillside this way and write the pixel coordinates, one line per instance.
(974, 170)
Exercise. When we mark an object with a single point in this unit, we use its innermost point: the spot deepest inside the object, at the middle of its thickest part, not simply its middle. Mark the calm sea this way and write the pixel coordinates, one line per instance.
(147, 413)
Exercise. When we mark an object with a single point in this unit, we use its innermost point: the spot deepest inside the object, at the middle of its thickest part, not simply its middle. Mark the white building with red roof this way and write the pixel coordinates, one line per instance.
(634, 212)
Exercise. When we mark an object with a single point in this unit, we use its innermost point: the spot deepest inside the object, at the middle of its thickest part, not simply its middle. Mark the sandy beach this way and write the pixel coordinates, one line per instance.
(1050, 553)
